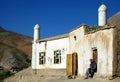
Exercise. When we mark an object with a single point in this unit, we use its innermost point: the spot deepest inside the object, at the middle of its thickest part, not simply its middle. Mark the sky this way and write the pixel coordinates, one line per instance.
(55, 17)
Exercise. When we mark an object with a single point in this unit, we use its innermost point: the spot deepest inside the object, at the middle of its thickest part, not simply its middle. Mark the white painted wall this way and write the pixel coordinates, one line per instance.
(102, 40)
(51, 46)
(79, 33)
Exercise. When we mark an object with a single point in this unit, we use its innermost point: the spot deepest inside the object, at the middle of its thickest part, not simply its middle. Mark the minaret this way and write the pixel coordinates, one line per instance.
(102, 15)
(34, 47)
(36, 32)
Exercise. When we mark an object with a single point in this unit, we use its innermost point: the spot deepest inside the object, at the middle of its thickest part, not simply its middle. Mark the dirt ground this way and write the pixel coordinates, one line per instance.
(82, 80)
(51, 75)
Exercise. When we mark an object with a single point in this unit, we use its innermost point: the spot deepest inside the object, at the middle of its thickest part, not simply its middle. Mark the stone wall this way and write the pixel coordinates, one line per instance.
(116, 45)
(30, 75)
(115, 20)
(88, 38)
(118, 52)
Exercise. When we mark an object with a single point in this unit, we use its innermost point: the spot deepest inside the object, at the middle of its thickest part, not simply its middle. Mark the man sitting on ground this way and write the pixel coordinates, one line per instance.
(90, 71)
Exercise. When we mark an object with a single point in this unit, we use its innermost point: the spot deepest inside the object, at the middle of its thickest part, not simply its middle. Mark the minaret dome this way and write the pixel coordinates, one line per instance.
(102, 8)
(102, 15)
(36, 32)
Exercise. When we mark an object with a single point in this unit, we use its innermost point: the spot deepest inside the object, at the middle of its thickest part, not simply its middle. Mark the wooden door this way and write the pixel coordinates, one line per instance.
(95, 55)
(75, 64)
(69, 64)
(72, 64)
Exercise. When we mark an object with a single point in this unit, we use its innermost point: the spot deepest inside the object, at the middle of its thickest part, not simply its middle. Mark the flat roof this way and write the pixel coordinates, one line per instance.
(54, 38)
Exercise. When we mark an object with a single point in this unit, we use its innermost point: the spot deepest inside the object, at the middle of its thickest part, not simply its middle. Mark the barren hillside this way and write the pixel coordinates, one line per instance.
(15, 49)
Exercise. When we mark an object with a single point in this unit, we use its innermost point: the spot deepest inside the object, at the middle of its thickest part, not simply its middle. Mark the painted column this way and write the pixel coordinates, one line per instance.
(34, 47)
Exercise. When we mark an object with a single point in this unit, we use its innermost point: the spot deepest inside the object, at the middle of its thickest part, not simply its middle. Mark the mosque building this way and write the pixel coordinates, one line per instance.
(78, 46)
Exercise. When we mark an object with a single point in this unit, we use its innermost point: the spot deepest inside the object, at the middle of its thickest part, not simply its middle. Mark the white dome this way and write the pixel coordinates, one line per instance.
(36, 26)
(102, 8)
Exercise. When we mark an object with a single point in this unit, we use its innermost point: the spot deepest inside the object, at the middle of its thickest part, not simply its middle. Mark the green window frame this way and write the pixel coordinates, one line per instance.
(42, 58)
(57, 56)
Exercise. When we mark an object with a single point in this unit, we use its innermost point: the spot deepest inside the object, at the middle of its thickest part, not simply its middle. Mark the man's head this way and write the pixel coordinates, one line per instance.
(91, 60)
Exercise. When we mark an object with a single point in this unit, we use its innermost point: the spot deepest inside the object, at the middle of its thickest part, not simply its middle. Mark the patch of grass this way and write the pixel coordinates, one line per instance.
(4, 74)
(4, 33)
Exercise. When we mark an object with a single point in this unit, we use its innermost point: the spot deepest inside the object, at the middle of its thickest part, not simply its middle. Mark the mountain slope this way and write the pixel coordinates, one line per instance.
(12, 57)
(115, 20)
(15, 49)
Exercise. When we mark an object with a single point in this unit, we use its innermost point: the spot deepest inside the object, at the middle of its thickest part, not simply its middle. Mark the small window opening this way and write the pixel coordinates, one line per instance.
(57, 56)
(42, 59)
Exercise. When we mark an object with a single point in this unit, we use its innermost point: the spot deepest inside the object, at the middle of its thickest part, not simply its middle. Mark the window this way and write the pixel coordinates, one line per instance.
(42, 59)
(75, 38)
(57, 57)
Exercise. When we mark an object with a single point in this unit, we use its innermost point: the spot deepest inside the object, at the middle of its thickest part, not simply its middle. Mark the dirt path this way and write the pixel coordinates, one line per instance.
(81, 80)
